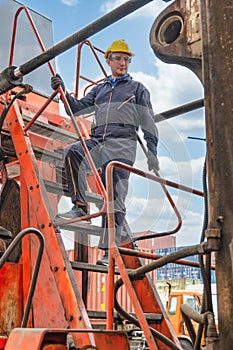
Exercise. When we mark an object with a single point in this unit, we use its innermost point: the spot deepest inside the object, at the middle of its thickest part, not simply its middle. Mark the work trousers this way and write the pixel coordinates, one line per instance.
(76, 167)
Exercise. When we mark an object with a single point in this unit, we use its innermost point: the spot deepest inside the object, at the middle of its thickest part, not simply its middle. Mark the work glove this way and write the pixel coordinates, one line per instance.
(57, 81)
(152, 161)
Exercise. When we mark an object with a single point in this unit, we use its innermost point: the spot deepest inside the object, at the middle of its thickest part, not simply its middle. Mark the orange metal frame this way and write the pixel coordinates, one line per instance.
(115, 255)
(77, 125)
(35, 213)
(36, 339)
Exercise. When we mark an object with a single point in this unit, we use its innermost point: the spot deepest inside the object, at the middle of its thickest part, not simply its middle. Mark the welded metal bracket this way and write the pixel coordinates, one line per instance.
(213, 233)
(213, 236)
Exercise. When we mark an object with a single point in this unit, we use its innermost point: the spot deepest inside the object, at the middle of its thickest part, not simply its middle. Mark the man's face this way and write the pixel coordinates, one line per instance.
(119, 63)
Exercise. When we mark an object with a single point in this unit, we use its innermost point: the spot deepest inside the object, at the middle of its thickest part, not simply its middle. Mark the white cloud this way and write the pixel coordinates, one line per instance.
(156, 214)
(70, 2)
(110, 5)
(184, 172)
(171, 86)
(150, 10)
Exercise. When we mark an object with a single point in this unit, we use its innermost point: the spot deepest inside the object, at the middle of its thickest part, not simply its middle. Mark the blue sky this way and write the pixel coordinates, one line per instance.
(181, 159)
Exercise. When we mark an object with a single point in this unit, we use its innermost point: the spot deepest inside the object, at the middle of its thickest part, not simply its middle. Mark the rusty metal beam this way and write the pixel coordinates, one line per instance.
(217, 31)
(175, 36)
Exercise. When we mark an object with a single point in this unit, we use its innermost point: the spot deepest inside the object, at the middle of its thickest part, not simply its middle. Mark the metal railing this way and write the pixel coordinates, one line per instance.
(35, 273)
(77, 125)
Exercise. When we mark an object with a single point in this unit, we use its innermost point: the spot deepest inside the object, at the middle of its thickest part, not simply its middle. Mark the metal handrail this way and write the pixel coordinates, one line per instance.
(77, 126)
(78, 76)
(114, 251)
(165, 190)
(35, 32)
(32, 287)
(110, 195)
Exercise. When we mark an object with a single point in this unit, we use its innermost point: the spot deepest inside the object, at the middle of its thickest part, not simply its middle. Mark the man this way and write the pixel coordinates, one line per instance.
(121, 105)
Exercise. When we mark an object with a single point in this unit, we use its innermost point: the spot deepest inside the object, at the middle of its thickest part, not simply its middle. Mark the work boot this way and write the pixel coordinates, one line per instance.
(75, 212)
(104, 260)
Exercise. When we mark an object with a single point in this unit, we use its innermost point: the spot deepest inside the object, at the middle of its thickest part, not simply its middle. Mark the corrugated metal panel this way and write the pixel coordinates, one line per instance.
(98, 283)
(97, 298)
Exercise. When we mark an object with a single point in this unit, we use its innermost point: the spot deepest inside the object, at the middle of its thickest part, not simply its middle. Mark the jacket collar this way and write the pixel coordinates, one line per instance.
(114, 81)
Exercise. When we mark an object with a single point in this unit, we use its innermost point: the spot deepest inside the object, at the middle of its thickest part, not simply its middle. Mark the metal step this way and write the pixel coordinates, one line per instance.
(80, 227)
(57, 188)
(80, 266)
(55, 157)
(84, 228)
(102, 315)
(51, 131)
(54, 187)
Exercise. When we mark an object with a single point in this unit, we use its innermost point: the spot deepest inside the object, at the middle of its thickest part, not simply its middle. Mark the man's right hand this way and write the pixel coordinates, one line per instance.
(57, 81)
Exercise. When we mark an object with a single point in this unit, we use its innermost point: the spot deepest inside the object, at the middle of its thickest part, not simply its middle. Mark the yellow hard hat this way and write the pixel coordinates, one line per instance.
(119, 46)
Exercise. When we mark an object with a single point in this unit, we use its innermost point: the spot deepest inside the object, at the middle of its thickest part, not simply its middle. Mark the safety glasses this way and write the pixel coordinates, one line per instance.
(118, 58)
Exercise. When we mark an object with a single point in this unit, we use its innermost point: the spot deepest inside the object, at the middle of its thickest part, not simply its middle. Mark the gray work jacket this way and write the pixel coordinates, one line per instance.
(119, 110)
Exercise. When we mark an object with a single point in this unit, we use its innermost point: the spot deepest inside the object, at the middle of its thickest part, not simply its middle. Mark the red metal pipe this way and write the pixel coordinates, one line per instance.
(152, 256)
(38, 113)
(163, 182)
(35, 32)
(152, 177)
(114, 253)
(78, 76)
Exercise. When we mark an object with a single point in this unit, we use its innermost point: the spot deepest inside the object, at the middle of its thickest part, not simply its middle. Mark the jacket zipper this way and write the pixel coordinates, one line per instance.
(123, 103)
(107, 114)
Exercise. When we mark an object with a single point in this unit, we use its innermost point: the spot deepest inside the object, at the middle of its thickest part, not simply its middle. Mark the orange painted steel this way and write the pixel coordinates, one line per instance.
(39, 112)
(54, 347)
(11, 308)
(56, 263)
(6, 255)
(3, 341)
(33, 196)
(28, 338)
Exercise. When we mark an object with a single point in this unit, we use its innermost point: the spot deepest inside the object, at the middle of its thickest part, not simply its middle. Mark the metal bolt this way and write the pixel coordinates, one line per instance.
(220, 219)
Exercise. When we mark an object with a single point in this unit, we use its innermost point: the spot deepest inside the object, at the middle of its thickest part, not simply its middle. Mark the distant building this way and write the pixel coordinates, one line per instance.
(176, 271)
(164, 246)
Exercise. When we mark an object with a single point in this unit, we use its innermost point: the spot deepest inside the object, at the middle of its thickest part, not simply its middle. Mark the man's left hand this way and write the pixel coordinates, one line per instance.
(152, 162)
